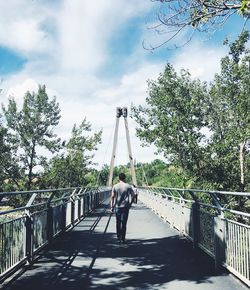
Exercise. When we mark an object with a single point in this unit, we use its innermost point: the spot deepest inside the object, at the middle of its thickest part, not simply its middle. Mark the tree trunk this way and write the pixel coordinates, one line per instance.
(31, 167)
(242, 165)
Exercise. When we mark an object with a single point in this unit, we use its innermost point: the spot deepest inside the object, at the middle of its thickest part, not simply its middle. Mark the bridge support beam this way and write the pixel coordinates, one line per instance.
(196, 224)
(219, 241)
(130, 152)
(29, 238)
(121, 112)
(112, 162)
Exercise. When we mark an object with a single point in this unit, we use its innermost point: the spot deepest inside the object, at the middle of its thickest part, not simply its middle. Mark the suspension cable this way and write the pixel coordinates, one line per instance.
(105, 154)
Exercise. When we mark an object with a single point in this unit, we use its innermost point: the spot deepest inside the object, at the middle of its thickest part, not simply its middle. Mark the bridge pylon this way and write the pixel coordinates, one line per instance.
(124, 113)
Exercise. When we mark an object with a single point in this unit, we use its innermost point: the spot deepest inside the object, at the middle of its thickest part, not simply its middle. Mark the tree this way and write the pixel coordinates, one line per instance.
(229, 118)
(33, 126)
(71, 168)
(158, 173)
(199, 15)
(174, 118)
(103, 175)
(9, 169)
(180, 110)
(155, 173)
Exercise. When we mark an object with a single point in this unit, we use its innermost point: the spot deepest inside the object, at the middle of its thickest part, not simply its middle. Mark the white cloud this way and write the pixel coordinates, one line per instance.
(201, 61)
(24, 35)
(19, 90)
(85, 28)
(80, 36)
(21, 26)
(65, 46)
(132, 87)
(97, 101)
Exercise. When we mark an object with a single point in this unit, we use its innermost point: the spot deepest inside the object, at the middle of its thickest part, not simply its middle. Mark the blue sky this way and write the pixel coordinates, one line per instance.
(90, 56)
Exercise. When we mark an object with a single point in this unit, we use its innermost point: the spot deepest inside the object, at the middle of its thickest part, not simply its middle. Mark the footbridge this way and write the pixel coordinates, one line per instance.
(176, 239)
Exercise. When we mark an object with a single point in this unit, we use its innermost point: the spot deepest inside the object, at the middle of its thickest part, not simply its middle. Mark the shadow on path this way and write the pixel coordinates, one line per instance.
(89, 257)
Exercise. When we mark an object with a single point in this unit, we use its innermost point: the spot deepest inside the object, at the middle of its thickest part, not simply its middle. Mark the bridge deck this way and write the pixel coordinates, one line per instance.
(156, 257)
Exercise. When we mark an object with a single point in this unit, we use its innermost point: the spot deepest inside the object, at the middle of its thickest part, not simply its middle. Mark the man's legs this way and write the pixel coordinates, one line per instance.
(124, 219)
(118, 223)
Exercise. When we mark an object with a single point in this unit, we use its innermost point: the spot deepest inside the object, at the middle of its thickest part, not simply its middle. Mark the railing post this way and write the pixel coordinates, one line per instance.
(182, 219)
(219, 241)
(79, 207)
(29, 237)
(91, 200)
(72, 210)
(83, 204)
(196, 224)
(49, 223)
(96, 198)
(79, 204)
(29, 230)
(64, 214)
(88, 202)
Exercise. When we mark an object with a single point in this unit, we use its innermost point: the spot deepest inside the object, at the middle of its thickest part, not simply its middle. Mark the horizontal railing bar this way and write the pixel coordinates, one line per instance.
(236, 212)
(189, 200)
(13, 210)
(212, 206)
(199, 202)
(44, 203)
(202, 190)
(37, 191)
(207, 229)
(34, 230)
(237, 223)
(209, 205)
(13, 220)
(225, 209)
(176, 197)
(23, 208)
(39, 211)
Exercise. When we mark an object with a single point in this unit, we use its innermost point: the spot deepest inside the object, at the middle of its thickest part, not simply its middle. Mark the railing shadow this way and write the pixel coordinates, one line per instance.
(87, 260)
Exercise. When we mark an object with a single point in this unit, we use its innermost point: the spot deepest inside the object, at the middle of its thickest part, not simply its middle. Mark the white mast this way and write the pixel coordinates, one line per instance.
(125, 113)
(121, 112)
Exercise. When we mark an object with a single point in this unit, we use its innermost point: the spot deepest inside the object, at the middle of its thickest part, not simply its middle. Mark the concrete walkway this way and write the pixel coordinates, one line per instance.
(156, 257)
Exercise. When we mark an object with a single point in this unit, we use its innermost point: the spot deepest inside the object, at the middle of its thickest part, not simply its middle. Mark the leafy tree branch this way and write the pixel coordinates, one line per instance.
(207, 16)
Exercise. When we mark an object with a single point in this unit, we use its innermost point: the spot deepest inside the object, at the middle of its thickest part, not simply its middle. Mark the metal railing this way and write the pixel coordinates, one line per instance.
(28, 228)
(202, 218)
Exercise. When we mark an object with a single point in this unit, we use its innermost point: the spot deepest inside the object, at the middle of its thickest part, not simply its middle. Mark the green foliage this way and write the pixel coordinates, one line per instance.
(228, 116)
(206, 16)
(71, 168)
(174, 118)
(103, 175)
(32, 127)
(245, 7)
(91, 178)
(156, 173)
(9, 170)
(179, 110)
(160, 174)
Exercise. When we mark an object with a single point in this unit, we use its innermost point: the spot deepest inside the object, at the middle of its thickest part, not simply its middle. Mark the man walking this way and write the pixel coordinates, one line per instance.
(121, 198)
